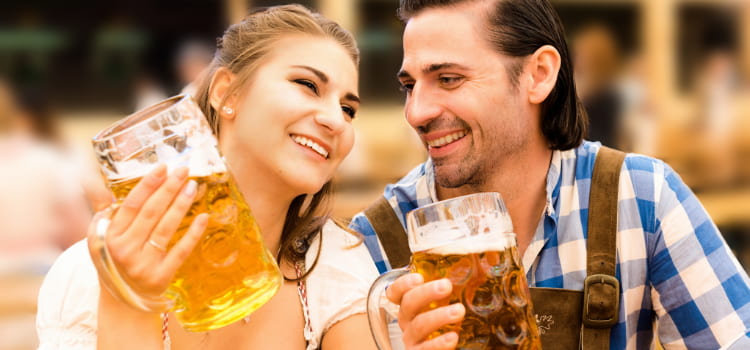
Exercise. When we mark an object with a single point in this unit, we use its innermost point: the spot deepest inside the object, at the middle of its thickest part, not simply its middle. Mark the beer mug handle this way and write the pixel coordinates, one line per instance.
(377, 301)
(109, 275)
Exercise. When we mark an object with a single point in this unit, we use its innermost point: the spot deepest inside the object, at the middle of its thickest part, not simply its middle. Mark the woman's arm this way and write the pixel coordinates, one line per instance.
(351, 333)
(147, 219)
(121, 326)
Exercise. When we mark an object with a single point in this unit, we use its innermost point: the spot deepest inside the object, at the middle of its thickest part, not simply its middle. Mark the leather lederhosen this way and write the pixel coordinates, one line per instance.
(567, 319)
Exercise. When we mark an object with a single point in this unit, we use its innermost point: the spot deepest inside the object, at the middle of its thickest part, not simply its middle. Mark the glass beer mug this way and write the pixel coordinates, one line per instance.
(229, 273)
(470, 241)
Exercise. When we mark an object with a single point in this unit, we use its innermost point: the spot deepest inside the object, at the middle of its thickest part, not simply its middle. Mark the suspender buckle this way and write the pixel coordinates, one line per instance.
(601, 301)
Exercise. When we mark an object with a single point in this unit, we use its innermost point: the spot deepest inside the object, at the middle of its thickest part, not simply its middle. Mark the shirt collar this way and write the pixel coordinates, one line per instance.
(553, 183)
(426, 185)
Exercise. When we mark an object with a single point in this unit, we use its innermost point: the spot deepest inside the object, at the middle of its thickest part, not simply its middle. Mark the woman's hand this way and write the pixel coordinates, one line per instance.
(145, 222)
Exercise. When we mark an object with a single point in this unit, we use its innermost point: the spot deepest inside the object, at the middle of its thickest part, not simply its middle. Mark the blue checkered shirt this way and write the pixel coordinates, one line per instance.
(675, 269)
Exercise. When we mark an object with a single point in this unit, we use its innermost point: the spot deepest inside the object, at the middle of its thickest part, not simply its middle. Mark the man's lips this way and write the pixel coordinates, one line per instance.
(436, 142)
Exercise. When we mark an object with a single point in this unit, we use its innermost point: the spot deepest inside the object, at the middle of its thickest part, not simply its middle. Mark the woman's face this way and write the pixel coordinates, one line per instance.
(293, 119)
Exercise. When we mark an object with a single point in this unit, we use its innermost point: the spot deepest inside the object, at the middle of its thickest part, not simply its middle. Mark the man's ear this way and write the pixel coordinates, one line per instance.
(217, 94)
(543, 67)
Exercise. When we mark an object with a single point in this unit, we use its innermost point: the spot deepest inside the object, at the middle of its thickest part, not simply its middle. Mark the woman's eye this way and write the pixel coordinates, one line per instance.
(349, 111)
(309, 84)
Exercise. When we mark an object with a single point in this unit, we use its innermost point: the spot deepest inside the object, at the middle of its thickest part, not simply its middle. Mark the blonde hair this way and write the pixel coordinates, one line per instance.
(242, 49)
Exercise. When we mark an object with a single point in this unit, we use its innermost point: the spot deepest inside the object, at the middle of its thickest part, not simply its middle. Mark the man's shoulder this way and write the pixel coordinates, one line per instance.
(638, 166)
(401, 195)
(407, 183)
(643, 179)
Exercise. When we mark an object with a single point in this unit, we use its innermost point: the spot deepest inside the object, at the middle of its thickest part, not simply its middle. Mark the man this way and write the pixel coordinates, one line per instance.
(489, 90)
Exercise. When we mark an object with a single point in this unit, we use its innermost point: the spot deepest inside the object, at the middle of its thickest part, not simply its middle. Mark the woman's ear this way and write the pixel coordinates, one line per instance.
(220, 83)
(543, 67)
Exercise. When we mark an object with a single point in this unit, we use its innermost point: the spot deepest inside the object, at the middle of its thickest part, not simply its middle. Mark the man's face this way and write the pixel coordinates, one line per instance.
(459, 97)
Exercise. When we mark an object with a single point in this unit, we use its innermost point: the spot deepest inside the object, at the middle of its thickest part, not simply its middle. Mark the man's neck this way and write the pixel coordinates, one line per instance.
(522, 182)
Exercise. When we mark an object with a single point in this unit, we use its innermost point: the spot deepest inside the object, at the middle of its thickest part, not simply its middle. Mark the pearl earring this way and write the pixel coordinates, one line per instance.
(227, 110)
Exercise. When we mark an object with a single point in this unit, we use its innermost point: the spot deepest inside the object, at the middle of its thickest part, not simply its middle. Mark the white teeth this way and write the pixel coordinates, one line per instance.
(447, 139)
(311, 144)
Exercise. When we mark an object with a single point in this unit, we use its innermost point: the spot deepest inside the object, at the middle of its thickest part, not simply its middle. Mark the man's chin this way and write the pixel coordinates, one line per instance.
(459, 174)
(449, 176)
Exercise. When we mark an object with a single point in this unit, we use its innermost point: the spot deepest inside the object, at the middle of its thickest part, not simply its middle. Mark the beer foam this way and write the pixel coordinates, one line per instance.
(200, 155)
(473, 245)
(471, 233)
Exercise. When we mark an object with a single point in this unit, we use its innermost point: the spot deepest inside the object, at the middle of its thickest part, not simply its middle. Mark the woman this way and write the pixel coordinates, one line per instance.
(280, 94)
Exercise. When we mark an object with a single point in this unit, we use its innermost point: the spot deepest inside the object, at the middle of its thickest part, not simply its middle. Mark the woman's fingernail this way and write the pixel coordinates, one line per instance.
(203, 220)
(189, 189)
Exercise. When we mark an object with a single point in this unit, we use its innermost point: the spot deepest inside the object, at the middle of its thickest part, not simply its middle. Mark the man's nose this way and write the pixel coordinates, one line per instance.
(422, 106)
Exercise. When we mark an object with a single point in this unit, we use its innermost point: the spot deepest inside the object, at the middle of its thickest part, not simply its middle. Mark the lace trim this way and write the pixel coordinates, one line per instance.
(299, 267)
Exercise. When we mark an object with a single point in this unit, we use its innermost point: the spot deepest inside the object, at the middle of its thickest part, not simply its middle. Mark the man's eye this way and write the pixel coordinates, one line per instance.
(309, 84)
(406, 87)
(450, 81)
(351, 112)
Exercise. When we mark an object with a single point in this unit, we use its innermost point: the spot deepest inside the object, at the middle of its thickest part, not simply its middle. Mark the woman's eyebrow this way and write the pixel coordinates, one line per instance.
(322, 76)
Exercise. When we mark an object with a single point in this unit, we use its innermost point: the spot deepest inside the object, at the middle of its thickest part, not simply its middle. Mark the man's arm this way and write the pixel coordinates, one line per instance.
(701, 294)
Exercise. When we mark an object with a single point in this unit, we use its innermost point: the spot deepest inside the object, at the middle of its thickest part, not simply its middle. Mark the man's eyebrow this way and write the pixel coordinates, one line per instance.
(432, 68)
(402, 74)
(322, 76)
(352, 97)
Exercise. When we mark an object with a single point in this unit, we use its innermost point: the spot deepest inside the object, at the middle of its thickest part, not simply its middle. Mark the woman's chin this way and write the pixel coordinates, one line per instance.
(307, 187)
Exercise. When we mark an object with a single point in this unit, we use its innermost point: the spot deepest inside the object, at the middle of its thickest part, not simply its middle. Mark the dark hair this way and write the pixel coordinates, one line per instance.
(242, 50)
(518, 28)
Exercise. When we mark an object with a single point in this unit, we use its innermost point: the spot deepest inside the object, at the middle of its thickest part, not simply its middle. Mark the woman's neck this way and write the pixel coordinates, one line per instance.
(268, 199)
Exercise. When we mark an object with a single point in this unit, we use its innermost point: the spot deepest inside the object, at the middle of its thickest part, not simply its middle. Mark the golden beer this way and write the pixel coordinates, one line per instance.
(230, 273)
(488, 280)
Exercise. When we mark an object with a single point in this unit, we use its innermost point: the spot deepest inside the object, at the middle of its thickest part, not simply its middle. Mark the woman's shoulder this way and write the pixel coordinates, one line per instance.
(340, 237)
(74, 263)
(337, 286)
(341, 247)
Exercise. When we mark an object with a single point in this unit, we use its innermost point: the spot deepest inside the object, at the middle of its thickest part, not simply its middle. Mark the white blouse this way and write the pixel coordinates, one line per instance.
(336, 289)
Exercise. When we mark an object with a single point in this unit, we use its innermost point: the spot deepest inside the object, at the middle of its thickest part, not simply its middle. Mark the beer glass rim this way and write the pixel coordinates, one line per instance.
(137, 118)
(471, 209)
(493, 195)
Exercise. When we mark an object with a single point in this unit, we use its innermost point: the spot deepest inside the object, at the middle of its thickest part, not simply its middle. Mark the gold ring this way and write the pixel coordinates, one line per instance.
(157, 246)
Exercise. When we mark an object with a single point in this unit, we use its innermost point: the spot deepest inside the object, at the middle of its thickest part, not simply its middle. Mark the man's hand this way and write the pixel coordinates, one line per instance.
(414, 295)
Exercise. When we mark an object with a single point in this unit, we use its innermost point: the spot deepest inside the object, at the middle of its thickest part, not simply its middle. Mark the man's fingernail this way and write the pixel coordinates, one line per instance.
(456, 309)
(415, 279)
(442, 286)
(450, 337)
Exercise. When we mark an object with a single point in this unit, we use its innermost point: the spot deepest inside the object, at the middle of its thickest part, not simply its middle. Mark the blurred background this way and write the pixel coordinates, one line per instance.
(667, 78)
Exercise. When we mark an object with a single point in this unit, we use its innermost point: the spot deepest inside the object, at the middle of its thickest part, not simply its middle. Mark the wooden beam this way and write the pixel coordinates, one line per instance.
(342, 12)
(235, 10)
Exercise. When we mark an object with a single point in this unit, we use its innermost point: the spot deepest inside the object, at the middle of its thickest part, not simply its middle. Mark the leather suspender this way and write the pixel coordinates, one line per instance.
(390, 232)
(601, 289)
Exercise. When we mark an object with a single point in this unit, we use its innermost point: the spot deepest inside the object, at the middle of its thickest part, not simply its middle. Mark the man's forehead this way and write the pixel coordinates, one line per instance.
(444, 35)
